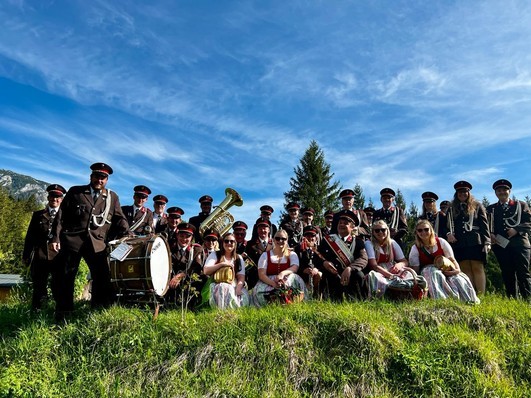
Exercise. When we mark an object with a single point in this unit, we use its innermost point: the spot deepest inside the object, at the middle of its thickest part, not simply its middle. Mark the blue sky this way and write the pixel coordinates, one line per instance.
(191, 97)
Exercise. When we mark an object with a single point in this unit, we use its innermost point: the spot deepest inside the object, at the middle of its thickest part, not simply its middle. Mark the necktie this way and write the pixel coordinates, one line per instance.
(505, 206)
(53, 212)
(96, 194)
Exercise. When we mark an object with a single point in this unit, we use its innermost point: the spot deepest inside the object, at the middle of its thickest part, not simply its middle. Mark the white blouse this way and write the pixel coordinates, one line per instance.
(212, 260)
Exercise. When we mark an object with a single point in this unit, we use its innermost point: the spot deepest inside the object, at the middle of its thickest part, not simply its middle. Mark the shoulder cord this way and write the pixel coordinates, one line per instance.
(140, 221)
(515, 218)
(394, 218)
(104, 215)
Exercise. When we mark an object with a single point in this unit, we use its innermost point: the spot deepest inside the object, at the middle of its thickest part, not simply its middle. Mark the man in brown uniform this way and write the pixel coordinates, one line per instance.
(139, 217)
(87, 214)
(37, 255)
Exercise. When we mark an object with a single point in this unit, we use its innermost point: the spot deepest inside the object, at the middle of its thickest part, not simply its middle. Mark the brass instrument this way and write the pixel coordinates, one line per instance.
(220, 219)
(249, 263)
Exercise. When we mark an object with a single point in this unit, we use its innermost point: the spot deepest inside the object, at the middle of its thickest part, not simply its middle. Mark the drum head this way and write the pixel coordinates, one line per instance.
(160, 265)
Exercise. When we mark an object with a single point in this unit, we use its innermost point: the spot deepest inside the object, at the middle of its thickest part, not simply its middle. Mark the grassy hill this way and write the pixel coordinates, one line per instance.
(384, 349)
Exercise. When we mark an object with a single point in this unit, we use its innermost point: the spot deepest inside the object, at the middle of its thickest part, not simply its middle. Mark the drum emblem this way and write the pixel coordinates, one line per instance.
(130, 268)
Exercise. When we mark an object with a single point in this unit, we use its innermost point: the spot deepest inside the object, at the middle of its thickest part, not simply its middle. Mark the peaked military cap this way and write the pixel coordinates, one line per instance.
(329, 214)
(387, 192)
(101, 168)
(309, 230)
(55, 190)
(160, 198)
(211, 232)
(266, 209)
(175, 211)
(186, 227)
(502, 183)
(462, 185)
(263, 221)
(346, 193)
(239, 225)
(293, 205)
(369, 209)
(142, 190)
(206, 198)
(429, 196)
(348, 215)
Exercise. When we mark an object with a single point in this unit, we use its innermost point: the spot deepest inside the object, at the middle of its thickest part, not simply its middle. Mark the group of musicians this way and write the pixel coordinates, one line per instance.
(331, 260)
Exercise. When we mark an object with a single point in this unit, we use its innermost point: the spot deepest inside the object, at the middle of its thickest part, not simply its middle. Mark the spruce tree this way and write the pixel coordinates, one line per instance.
(359, 197)
(399, 200)
(312, 184)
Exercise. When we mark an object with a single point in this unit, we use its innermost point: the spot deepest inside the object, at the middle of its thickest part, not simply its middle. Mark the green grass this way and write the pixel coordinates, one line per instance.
(378, 348)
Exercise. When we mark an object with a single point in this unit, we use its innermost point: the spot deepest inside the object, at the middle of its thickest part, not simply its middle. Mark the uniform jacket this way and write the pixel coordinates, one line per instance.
(161, 224)
(438, 219)
(38, 236)
(80, 216)
(503, 219)
(255, 249)
(479, 235)
(189, 262)
(398, 231)
(360, 255)
(308, 259)
(132, 218)
(293, 229)
(196, 222)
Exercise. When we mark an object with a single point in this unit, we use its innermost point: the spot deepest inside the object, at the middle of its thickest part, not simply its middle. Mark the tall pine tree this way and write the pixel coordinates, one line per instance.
(312, 184)
(400, 201)
(359, 197)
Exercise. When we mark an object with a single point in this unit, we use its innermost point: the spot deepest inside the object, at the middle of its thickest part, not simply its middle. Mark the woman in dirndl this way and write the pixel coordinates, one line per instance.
(277, 269)
(228, 293)
(446, 281)
(386, 260)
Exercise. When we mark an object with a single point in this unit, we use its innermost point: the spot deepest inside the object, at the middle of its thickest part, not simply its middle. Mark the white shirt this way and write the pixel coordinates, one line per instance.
(212, 260)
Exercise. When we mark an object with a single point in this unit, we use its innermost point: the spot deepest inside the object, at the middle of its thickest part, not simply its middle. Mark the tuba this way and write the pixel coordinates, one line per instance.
(220, 219)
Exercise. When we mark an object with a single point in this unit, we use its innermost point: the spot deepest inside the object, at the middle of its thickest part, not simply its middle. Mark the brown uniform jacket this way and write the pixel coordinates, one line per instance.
(132, 218)
(80, 216)
(38, 236)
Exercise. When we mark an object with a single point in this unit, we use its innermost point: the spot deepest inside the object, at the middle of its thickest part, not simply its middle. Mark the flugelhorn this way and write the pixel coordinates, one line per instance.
(220, 219)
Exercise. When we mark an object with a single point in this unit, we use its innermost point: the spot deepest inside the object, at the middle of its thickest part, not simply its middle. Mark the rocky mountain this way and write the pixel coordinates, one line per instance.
(22, 187)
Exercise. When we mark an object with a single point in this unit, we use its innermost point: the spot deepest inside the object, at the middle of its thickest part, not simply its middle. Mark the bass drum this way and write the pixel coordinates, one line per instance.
(147, 267)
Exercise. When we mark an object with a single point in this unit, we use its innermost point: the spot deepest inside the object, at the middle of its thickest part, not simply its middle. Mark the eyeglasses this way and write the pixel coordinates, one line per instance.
(423, 230)
(280, 239)
(228, 241)
(378, 230)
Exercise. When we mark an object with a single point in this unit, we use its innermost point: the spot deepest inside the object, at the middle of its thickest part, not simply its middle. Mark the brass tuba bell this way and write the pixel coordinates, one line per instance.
(220, 219)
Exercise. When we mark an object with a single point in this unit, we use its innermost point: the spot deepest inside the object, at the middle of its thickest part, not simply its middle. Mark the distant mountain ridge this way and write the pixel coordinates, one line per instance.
(21, 186)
